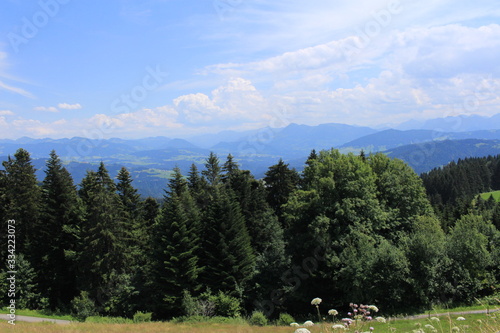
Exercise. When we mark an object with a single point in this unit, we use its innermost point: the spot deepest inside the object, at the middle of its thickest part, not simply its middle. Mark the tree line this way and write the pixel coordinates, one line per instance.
(349, 228)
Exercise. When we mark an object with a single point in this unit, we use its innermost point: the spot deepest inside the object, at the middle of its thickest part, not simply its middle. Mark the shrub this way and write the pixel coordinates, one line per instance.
(83, 306)
(258, 319)
(225, 305)
(285, 319)
(142, 317)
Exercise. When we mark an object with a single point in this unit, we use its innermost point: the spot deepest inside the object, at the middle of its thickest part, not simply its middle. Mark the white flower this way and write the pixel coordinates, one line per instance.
(436, 319)
(333, 312)
(294, 325)
(380, 319)
(460, 318)
(316, 301)
(338, 326)
(455, 329)
(373, 308)
(302, 330)
(429, 326)
(308, 323)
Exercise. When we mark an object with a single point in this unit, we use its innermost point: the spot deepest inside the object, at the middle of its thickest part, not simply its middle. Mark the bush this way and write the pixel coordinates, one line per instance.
(285, 319)
(83, 306)
(225, 305)
(141, 317)
(258, 319)
(209, 305)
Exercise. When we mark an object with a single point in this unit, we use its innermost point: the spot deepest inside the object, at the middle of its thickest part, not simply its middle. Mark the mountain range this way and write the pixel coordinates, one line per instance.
(150, 160)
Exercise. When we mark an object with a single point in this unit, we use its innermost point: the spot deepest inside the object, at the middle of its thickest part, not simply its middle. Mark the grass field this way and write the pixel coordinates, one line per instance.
(445, 323)
(495, 194)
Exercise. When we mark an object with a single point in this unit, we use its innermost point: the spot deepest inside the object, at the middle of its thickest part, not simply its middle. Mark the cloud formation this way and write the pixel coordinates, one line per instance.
(66, 106)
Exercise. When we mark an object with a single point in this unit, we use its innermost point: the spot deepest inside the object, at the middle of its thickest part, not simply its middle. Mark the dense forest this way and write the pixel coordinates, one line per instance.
(349, 228)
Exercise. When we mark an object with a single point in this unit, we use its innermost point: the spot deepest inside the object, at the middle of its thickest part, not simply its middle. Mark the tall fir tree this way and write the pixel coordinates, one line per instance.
(105, 259)
(176, 244)
(230, 260)
(61, 221)
(280, 182)
(23, 204)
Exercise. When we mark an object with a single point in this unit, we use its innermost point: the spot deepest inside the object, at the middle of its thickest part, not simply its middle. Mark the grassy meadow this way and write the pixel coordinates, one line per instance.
(495, 194)
(448, 322)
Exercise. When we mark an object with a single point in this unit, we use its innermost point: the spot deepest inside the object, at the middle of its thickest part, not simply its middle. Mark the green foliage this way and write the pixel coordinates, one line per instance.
(108, 320)
(176, 244)
(225, 305)
(258, 319)
(83, 307)
(61, 217)
(142, 317)
(209, 305)
(285, 319)
(239, 321)
(106, 256)
(357, 228)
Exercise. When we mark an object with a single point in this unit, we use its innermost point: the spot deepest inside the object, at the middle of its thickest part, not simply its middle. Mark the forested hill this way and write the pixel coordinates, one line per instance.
(452, 188)
(349, 228)
(425, 156)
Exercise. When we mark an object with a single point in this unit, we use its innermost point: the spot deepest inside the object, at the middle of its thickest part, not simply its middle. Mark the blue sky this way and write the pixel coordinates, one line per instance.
(123, 68)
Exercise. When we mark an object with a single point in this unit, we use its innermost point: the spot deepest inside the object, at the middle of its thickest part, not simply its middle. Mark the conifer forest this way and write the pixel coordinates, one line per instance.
(348, 228)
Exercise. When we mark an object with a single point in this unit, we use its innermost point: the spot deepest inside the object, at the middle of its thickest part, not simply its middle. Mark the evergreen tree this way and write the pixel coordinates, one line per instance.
(60, 227)
(105, 259)
(131, 200)
(212, 172)
(229, 261)
(280, 182)
(176, 245)
(23, 203)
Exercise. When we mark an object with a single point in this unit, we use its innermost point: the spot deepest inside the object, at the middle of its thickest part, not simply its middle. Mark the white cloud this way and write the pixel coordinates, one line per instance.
(6, 113)
(235, 102)
(412, 73)
(66, 106)
(15, 90)
(46, 108)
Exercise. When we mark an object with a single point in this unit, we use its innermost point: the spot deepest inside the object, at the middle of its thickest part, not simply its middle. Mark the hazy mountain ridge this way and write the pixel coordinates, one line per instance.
(150, 160)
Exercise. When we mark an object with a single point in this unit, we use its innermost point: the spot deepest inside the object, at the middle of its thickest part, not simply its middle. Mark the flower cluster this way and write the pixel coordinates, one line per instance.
(357, 318)
(362, 312)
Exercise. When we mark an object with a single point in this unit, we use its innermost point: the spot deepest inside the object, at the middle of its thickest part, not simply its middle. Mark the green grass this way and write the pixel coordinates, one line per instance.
(40, 314)
(495, 194)
(484, 323)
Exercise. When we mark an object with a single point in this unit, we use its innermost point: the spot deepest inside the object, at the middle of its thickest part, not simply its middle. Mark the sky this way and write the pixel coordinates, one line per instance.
(133, 69)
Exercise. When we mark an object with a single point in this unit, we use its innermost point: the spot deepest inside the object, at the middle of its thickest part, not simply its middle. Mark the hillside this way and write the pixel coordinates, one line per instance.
(425, 156)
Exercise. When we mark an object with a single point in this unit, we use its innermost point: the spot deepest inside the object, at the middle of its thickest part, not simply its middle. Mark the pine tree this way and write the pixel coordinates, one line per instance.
(60, 227)
(230, 261)
(280, 182)
(212, 170)
(105, 259)
(131, 200)
(176, 246)
(23, 204)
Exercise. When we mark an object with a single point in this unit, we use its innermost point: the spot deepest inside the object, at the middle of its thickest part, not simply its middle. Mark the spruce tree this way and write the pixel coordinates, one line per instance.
(280, 182)
(176, 244)
(230, 260)
(23, 204)
(60, 227)
(105, 260)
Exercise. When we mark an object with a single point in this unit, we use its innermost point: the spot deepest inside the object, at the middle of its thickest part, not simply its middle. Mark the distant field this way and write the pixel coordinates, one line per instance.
(496, 195)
